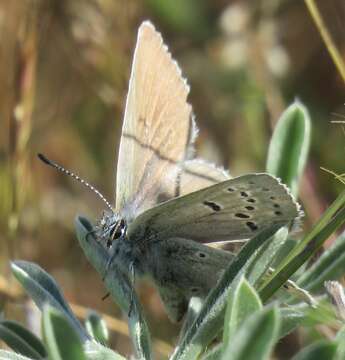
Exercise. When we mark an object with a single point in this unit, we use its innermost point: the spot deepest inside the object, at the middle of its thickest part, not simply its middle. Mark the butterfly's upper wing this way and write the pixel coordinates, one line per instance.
(157, 126)
(234, 209)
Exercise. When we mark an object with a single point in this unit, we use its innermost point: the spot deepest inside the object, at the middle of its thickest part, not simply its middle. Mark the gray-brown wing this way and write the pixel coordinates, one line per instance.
(185, 269)
(234, 209)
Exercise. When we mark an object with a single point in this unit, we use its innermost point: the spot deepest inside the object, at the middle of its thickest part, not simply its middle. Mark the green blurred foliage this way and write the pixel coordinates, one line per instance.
(64, 68)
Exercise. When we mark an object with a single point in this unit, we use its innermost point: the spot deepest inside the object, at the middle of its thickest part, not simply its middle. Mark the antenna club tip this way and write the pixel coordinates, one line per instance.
(43, 158)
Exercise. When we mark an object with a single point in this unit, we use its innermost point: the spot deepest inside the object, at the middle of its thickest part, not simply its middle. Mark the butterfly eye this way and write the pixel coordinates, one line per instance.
(118, 230)
(109, 243)
(201, 255)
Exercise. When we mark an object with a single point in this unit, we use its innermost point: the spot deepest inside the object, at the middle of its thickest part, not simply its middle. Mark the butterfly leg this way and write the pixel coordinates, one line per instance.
(132, 274)
(107, 266)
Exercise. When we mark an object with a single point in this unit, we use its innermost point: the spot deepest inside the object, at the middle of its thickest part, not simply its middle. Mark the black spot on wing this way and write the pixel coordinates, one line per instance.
(214, 206)
(252, 226)
(242, 216)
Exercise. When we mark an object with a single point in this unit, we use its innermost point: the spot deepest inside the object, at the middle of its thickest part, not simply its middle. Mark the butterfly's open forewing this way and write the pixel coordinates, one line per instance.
(234, 209)
(157, 126)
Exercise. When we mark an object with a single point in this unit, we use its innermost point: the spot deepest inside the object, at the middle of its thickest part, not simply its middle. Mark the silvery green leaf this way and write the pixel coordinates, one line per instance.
(21, 340)
(242, 302)
(96, 327)
(331, 220)
(318, 350)
(330, 265)
(340, 339)
(256, 338)
(8, 355)
(60, 337)
(95, 351)
(119, 287)
(289, 146)
(194, 307)
(265, 256)
(302, 314)
(215, 353)
(43, 290)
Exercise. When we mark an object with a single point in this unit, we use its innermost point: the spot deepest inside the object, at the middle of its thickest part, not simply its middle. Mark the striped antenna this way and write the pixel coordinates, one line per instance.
(74, 176)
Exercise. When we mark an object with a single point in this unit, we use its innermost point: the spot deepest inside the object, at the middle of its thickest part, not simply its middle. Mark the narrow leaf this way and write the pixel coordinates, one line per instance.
(305, 315)
(96, 351)
(310, 245)
(330, 266)
(242, 303)
(62, 341)
(265, 256)
(96, 327)
(21, 340)
(43, 290)
(256, 337)
(215, 353)
(118, 285)
(289, 146)
(318, 350)
(340, 339)
(8, 355)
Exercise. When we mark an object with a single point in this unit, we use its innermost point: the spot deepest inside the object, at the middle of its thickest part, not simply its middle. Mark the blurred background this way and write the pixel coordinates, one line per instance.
(64, 69)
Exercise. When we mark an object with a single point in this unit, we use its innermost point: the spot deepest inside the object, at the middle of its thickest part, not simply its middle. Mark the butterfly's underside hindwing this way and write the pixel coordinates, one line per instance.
(157, 126)
(234, 209)
(181, 269)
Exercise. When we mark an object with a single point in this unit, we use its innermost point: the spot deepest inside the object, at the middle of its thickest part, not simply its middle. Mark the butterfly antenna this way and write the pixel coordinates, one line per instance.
(74, 176)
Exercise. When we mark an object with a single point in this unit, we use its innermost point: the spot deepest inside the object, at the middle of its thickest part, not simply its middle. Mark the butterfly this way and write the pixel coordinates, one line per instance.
(169, 205)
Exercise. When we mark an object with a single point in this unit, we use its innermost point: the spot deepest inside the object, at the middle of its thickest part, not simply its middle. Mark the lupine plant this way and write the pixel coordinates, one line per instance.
(270, 289)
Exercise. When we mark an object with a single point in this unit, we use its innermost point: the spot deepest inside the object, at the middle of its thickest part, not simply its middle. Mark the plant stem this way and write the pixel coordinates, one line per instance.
(326, 37)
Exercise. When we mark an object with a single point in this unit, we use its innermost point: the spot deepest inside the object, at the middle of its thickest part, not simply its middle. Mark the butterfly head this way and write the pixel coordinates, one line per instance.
(111, 228)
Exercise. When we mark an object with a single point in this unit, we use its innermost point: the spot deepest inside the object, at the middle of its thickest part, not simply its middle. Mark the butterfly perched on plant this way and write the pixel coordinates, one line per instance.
(169, 206)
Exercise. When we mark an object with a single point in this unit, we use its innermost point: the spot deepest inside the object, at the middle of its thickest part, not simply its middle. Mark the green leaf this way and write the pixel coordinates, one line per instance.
(96, 351)
(340, 339)
(96, 327)
(318, 350)
(62, 342)
(215, 353)
(210, 320)
(303, 314)
(242, 303)
(265, 256)
(331, 220)
(21, 340)
(43, 290)
(256, 337)
(330, 266)
(8, 355)
(118, 285)
(289, 146)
